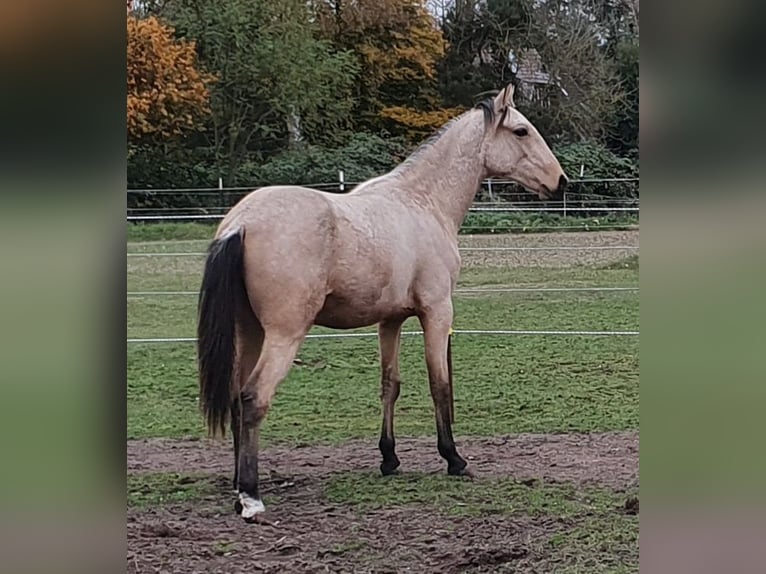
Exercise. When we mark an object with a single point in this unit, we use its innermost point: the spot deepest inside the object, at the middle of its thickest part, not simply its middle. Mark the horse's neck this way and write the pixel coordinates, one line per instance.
(445, 175)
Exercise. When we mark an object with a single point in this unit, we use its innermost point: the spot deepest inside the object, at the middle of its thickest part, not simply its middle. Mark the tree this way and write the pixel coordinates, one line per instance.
(398, 46)
(585, 90)
(623, 132)
(278, 84)
(167, 94)
(555, 50)
(481, 35)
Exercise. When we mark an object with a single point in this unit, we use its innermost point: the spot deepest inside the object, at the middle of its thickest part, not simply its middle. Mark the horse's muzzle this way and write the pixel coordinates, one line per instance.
(557, 194)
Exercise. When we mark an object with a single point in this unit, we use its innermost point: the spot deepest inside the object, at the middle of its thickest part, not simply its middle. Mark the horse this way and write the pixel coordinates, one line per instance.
(285, 258)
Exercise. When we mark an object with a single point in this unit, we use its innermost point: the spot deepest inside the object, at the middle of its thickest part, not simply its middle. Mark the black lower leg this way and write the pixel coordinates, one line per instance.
(247, 475)
(235, 428)
(387, 447)
(446, 443)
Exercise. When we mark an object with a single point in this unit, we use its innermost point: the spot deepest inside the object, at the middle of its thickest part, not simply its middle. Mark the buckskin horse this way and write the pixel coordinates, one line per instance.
(286, 258)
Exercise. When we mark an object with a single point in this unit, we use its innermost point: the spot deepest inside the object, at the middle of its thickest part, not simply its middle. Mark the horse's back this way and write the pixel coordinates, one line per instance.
(350, 259)
(282, 205)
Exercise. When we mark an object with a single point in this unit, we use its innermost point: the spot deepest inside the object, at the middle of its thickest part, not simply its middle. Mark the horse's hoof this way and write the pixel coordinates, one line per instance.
(465, 472)
(238, 507)
(249, 506)
(468, 473)
(389, 469)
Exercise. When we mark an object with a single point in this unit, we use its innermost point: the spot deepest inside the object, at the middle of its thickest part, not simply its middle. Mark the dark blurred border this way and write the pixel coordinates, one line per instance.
(62, 246)
(703, 275)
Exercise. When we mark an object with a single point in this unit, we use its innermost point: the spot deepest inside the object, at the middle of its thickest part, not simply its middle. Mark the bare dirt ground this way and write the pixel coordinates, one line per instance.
(607, 459)
(305, 532)
(612, 246)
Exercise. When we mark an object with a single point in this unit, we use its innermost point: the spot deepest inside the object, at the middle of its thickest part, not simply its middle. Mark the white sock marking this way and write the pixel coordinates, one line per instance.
(250, 505)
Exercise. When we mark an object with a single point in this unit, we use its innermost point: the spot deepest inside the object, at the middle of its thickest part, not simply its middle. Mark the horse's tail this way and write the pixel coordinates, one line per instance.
(219, 298)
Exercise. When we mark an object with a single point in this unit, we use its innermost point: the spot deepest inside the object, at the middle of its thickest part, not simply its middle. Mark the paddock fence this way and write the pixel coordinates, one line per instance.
(585, 198)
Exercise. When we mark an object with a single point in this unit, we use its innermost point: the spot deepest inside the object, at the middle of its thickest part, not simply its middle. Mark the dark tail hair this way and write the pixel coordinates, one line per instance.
(219, 298)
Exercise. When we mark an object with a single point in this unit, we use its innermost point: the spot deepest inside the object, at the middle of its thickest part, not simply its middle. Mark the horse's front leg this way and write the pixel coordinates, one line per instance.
(436, 324)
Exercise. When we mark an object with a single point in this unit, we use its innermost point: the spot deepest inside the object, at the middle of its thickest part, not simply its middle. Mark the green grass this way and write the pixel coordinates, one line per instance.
(368, 491)
(145, 490)
(487, 222)
(542, 222)
(171, 231)
(627, 263)
(596, 536)
(592, 533)
(502, 384)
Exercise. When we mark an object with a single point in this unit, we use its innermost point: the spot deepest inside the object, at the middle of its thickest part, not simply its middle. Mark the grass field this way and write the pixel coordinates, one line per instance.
(503, 384)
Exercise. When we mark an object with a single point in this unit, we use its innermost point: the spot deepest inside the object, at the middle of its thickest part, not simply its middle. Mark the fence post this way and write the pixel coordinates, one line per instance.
(565, 204)
(220, 192)
(340, 179)
(489, 190)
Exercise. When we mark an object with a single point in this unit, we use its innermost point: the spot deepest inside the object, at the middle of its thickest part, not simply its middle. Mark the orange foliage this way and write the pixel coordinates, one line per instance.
(167, 94)
(399, 46)
(418, 123)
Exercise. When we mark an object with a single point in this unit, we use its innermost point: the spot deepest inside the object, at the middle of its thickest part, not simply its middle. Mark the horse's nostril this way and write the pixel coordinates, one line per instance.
(563, 181)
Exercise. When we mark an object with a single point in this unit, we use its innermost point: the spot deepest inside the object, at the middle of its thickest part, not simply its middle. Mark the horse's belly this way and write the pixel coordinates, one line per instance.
(340, 312)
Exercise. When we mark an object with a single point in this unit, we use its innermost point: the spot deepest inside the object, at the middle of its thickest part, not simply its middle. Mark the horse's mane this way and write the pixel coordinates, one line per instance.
(487, 106)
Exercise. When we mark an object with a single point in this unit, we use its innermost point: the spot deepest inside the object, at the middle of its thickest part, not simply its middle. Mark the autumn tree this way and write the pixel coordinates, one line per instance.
(279, 84)
(398, 46)
(168, 95)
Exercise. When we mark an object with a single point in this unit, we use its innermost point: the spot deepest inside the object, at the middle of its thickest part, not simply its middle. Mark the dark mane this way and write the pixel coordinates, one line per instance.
(425, 145)
(488, 107)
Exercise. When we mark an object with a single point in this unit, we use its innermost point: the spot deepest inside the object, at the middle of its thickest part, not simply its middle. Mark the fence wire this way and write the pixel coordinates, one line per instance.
(552, 248)
(472, 291)
(573, 203)
(479, 332)
(351, 184)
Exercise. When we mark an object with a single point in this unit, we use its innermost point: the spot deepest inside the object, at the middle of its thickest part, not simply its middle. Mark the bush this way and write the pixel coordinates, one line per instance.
(599, 163)
(364, 156)
(527, 222)
(598, 160)
(170, 166)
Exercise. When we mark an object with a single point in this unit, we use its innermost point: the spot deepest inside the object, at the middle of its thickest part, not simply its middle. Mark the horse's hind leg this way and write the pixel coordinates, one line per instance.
(389, 335)
(249, 342)
(276, 358)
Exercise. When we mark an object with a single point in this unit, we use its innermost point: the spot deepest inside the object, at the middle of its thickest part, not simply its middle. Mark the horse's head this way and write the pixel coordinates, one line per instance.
(516, 150)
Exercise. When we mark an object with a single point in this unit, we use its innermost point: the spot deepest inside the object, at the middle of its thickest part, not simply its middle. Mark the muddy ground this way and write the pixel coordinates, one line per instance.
(305, 532)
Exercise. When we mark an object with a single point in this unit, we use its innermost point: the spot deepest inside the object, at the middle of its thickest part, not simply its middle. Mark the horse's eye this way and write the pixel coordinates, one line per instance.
(521, 132)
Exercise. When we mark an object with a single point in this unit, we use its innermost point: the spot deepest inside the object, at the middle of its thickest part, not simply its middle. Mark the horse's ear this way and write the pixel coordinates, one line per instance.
(500, 100)
(508, 91)
(505, 98)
